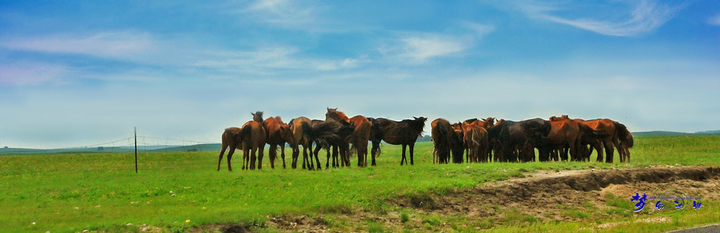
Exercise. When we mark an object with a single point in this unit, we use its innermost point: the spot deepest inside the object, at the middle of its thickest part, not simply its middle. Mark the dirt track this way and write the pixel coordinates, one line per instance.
(544, 196)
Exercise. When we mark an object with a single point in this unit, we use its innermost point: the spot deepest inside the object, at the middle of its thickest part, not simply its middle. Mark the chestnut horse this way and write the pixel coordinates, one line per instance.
(278, 133)
(403, 133)
(359, 137)
(254, 143)
(565, 134)
(299, 139)
(233, 137)
(603, 135)
(475, 139)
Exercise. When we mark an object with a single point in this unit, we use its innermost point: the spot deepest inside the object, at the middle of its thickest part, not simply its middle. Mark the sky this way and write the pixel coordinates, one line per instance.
(79, 73)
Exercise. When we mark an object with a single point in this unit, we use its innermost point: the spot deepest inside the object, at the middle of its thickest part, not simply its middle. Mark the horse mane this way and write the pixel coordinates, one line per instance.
(338, 115)
(471, 120)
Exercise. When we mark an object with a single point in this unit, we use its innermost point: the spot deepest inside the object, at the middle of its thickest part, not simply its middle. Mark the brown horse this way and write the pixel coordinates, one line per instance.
(255, 143)
(233, 137)
(603, 134)
(299, 139)
(565, 135)
(475, 139)
(403, 133)
(359, 137)
(278, 133)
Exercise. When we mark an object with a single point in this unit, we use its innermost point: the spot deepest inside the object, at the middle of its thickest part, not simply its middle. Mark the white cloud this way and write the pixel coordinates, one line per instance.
(420, 48)
(715, 20)
(480, 29)
(284, 13)
(645, 17)
(106, 44)
(272, 60)
(21, 74)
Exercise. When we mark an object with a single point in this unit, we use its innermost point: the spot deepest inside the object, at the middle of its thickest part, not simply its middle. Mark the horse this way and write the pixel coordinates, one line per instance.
(441, 137)
(299, 139)
(475, 139)
(623, 141)
(457, 146)
(233, 138)
(278, 133)
(359, 137)
(403, 133)
(603, 133)
(255, 143)
(565, 134)
(326, 134)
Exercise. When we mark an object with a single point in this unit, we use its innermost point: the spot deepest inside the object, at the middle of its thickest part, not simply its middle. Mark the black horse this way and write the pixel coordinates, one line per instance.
(519, 139)
(403, 133)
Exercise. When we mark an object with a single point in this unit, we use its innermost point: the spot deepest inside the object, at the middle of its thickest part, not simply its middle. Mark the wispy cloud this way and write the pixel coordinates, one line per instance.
(284, 13)
(715, 20)
(106, 44)
(272, 60)
(23, 74)
(645, 17)
(423, 47)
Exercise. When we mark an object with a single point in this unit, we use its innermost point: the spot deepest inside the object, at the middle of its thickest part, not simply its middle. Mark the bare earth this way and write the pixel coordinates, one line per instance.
(544, 195)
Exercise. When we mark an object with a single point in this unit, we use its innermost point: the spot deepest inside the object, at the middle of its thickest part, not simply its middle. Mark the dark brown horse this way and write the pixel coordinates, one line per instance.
(326, 134)
(623, 141)
(299, 139)
(447, 140)
(233, 137)
(403, 133)
(441, 140)
(359, 137)
(278, 133)
(457, 144)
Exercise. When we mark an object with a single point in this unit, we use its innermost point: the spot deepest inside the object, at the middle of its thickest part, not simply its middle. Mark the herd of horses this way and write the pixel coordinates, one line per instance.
(470, 141)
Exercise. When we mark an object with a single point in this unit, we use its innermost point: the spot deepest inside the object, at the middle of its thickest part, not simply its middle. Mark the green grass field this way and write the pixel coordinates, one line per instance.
(178, 190)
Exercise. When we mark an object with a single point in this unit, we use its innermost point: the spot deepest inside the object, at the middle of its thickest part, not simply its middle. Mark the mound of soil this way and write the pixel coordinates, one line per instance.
(544, 195)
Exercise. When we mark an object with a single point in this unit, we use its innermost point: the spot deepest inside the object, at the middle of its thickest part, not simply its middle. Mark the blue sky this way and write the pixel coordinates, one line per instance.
(77, 73)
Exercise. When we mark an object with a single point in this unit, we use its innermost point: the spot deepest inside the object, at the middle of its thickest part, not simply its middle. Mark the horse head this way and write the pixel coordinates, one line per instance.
(258, 116)
(333, 113)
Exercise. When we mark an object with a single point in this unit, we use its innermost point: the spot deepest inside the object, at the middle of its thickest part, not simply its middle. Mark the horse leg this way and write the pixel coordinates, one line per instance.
(229, 157)
(609, 149)
(253, 158)
(261, 149)
(403, 155)
(412, 148)
(224, 146)
(317, 151)
(282, 153)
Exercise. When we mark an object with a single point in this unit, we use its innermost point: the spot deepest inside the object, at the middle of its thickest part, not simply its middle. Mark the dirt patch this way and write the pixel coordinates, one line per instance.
(540, 196)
